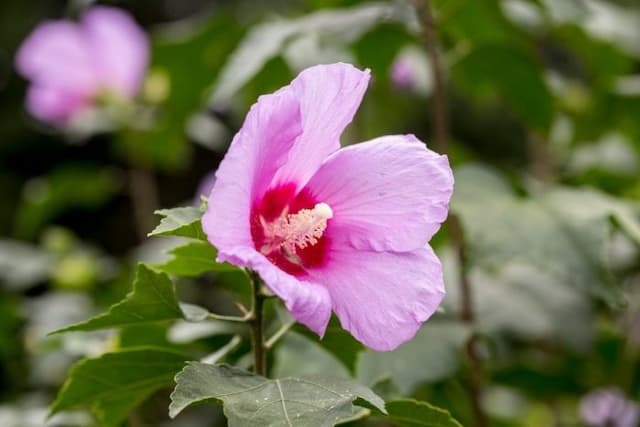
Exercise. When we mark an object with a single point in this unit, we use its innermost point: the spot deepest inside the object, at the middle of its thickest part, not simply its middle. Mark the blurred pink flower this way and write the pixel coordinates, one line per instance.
(328, 227)
(609, 407)
(403, 74)
(69, 64)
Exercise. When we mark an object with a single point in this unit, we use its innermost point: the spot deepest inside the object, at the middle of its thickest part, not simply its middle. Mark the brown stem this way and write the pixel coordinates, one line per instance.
(467, 314)
(439, 100)
(256, 322)
(144, 199)
(441, 136)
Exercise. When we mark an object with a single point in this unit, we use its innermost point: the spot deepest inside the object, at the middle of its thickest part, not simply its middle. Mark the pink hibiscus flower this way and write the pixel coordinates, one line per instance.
(329, 228)
(70, 64)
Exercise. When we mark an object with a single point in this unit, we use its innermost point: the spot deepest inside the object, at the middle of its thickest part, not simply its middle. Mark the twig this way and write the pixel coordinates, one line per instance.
(144, 199)
(439, 100)
(279, 334)
(441, 136)
(247, 317)
(467, 314)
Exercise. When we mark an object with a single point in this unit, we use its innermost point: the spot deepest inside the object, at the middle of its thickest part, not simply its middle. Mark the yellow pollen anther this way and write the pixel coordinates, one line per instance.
(300, 229)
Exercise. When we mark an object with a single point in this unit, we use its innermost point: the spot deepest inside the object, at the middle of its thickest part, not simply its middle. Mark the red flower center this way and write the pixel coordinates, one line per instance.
(290, 229)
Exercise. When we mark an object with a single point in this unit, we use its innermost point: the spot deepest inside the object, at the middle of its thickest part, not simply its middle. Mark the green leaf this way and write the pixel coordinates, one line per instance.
(115, 383)
(251, 400)
(296, 355)
(153, 299)
(265, 41)
(183, 222)
(432, 355)
(192, 259)
(414, 413)
(522, 301)
(494, 70)
(338, 342)
(563, 234)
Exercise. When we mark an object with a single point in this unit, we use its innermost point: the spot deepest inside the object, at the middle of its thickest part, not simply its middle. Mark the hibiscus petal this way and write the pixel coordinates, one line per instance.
(329, 96)
(390, 193)
(308, 303)
(121, 48)
(55, 55)
(382, 297)
(260, 147)
(53, 105)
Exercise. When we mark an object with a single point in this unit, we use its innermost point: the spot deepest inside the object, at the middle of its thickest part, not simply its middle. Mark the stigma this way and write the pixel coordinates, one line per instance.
(291, 232)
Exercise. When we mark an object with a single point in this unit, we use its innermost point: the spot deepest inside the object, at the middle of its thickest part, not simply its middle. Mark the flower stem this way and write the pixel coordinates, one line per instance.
(256, 322)
(467, 315)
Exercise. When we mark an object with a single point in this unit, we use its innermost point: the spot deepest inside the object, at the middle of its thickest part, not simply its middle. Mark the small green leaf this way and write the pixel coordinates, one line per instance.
(153, 299)
(192, 259)
(183, 222)
(115, 383)
(251, 400)
(414, 413)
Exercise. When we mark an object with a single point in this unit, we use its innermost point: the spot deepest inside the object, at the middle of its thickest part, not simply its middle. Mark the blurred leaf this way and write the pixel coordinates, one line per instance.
(183, 222)
(153, 299)
(490, 71)
(267, 40)
(573, 203)
(296, 356)
(193, 259)
(338, 342)
(251, 400)
(432, 355)
(65, 188)
(476, 22)
(22, 264)
(115, 383)
(599, 60)
(524, 302)
(568, 244)
(414, 413)
(188, 58)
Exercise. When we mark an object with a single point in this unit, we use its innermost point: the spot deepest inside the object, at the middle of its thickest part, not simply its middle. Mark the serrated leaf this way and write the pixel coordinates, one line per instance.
(114, 383)
(414, 413)
(419, 360)
(252, 400)
(182, 222)
(193, 259)
(153, 299)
